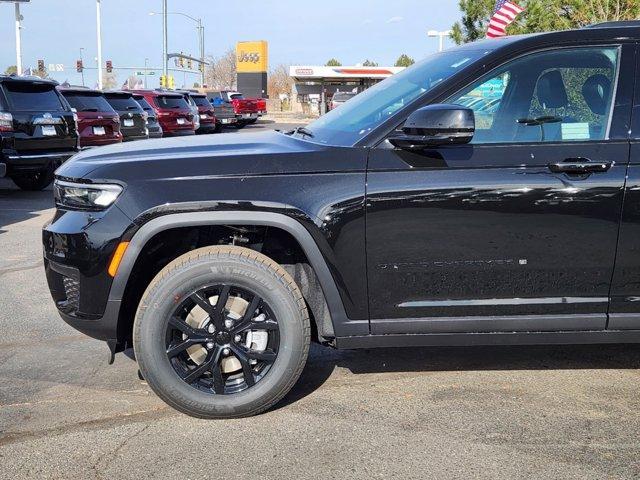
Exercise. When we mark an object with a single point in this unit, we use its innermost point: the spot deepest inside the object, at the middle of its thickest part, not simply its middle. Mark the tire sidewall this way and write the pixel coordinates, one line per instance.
(162, 299)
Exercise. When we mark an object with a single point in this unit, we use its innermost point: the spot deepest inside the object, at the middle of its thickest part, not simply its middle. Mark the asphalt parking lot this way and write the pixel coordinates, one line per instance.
(508, 412)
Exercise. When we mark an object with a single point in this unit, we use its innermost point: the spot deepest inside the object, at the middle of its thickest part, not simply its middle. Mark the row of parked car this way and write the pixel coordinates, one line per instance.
(42, 124)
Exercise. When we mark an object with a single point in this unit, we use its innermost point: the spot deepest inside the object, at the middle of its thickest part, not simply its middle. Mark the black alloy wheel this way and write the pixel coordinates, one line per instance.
(203, 355)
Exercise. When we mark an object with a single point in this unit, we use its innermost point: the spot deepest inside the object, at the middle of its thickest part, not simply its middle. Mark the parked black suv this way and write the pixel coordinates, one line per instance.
(133, 119)
(403, 218)
(38, 131)
(153, 124)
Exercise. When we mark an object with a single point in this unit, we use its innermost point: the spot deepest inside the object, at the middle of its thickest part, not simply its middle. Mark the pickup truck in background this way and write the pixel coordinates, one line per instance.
(223, 109)
(245, 109)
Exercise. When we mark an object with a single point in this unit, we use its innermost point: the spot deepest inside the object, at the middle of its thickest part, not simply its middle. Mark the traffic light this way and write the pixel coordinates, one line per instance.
(181, 62)
(189, 64)
(163, 81)
(41, 66)
(109, 66)
(171, 82)
(79, 66)
(201, 67)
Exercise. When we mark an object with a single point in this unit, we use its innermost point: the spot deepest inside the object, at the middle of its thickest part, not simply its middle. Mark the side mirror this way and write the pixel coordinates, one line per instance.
(436, 125)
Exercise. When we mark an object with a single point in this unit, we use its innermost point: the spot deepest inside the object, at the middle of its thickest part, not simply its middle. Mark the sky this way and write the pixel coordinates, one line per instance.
(298, 32)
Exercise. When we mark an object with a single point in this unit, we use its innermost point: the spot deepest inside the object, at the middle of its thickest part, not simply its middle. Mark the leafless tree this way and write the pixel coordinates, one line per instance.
(221, 73)
(279, 81)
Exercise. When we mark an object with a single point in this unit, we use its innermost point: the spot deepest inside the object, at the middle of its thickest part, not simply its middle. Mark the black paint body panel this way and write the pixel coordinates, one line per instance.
(457, 245)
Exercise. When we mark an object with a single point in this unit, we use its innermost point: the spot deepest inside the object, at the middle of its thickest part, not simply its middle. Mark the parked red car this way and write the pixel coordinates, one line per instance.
(173, 111)
(98, 122)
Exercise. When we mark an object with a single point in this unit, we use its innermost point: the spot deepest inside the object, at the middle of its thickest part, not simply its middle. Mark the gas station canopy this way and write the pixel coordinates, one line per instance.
(326, 74)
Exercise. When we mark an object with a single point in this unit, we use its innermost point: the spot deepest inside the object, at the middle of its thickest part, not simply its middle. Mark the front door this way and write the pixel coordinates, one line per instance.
(516, 231)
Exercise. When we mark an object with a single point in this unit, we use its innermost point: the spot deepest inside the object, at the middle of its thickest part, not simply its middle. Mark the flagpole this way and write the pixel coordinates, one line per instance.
(99, 34)
(18, 40)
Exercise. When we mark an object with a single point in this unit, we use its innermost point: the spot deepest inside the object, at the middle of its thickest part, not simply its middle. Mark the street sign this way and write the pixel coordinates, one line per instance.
(56, 67)
(15, 1)
(142, 74)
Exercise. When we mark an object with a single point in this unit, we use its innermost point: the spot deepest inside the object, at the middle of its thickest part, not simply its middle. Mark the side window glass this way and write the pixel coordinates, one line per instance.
(554, 96)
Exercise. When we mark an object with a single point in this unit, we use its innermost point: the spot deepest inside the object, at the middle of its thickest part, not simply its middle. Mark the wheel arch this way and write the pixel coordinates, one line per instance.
(342, 326)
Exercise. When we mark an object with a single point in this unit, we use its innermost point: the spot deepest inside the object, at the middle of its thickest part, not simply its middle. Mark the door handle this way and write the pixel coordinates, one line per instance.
(577, 166)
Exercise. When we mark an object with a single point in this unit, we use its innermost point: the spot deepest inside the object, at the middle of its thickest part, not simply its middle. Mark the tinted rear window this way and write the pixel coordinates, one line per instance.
(144, 104)
(167, 101)
(122, 103)
(24, 97)
(201, 101)
(236, 96)
(84, 102)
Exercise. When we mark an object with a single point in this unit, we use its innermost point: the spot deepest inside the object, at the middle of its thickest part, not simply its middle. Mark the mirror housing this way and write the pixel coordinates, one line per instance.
(436, 125)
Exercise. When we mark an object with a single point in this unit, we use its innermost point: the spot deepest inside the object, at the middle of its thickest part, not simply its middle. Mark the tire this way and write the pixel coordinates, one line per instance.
(248, 271)
(241, 124)
(218, 128)
(252, 121)
(34, 181)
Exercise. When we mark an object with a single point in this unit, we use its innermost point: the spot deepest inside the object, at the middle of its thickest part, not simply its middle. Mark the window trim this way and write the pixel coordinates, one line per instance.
(505, 60)
(487, 75)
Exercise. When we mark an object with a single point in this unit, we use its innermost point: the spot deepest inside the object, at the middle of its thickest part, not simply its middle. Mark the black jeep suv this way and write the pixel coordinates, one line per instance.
(38, 131)
(487, 195)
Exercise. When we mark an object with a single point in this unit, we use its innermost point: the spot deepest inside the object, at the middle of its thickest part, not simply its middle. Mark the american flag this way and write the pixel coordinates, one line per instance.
(504, 15)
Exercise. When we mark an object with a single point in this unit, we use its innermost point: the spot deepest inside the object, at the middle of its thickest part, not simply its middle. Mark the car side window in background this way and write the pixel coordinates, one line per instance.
(560, 95)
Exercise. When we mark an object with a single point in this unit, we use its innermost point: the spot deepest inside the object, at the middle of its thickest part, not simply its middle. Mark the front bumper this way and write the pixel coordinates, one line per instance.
(77, 250)
(15, 163)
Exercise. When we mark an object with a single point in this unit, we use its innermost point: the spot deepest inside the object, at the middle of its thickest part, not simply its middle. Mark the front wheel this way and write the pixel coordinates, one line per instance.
(34, 181)
(222, 332)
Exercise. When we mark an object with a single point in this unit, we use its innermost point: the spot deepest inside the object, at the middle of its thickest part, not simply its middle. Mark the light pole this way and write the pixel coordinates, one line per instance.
(442, 35)
(18, 39)
(82, 63)
(146, 72)
(99, 34)
(200, 28)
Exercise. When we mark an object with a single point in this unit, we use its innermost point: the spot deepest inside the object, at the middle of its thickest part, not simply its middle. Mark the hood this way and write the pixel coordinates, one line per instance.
(233, 154)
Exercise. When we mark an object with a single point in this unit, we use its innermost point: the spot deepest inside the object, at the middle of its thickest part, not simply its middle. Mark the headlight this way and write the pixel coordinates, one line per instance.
(85, 196)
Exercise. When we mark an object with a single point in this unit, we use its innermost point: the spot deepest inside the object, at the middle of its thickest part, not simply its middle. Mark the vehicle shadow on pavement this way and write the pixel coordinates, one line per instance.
(17, 206)
(323, 361)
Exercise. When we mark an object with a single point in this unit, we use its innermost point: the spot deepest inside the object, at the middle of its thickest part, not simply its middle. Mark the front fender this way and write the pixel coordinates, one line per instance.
(342, 325)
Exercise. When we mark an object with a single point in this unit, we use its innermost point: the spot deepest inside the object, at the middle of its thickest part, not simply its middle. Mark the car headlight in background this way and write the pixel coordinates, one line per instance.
(85, 196)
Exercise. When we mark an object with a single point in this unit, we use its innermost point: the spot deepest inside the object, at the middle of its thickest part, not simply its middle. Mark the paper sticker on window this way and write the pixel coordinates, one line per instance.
(575, 131)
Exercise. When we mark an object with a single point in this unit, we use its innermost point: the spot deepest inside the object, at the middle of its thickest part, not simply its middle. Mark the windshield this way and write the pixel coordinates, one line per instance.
(356, 118)
(343, 97)
(88, 102)
(25, 97)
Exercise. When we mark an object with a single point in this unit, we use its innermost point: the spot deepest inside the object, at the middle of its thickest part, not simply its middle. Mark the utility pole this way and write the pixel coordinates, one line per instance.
(441, 35)
(165, 41)
(99, 33)
(82, 63)
(18, 40)
(146, 72)
(201, 52)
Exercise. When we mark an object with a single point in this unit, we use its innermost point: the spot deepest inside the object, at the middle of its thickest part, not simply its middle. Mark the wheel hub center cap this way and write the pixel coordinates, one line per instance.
(223, 338)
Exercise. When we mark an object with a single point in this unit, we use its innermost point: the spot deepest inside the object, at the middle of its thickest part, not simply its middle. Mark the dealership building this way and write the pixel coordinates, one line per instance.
(314, 86)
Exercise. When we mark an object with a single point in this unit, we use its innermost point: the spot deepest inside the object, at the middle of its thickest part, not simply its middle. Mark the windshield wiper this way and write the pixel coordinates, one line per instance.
(303, 131)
